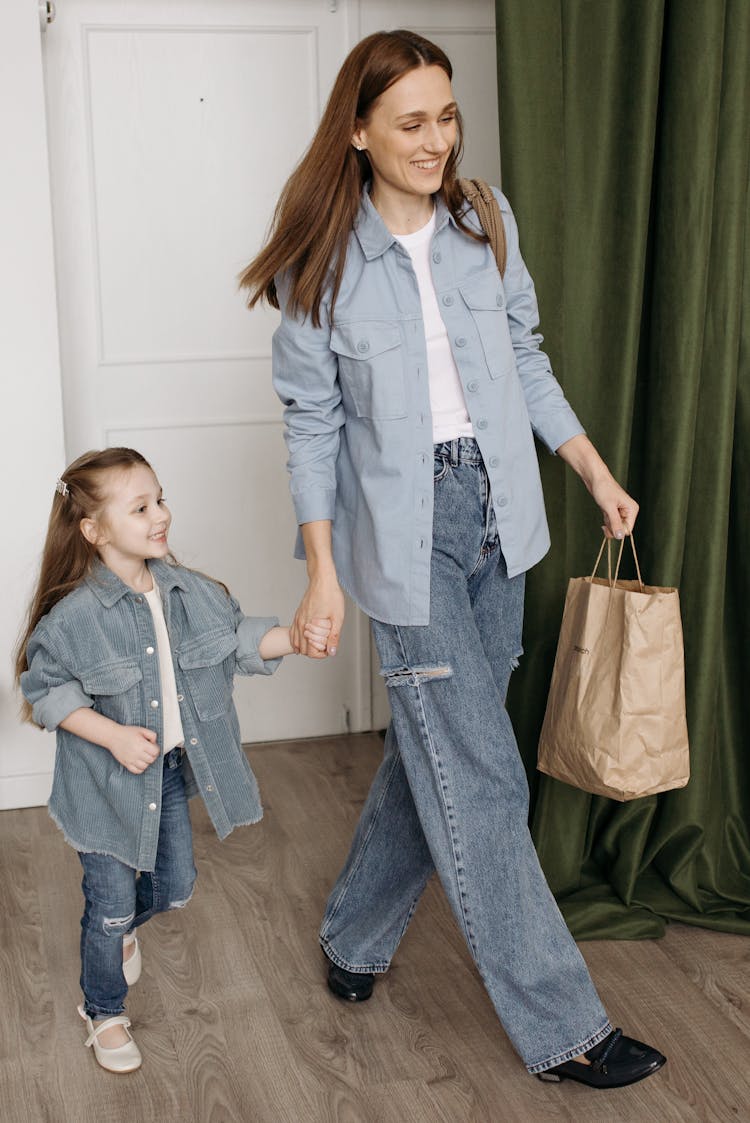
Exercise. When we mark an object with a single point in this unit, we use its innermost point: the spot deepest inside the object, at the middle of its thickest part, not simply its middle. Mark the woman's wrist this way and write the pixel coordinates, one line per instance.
(318, 550)
(585, 461)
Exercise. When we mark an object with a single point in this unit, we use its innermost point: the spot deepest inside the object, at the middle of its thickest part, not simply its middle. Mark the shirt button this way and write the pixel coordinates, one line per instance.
(494, 461)
(472, 386)
(154, 704)
(502, 501)
(447, 300)
(149, 651)
(500, 300)
(139, 600)
(437, 257)
(482, 423)
(180, 697)
(193, 740)
(152, 807)
(209, 787)
(363, 346)
(460, 342)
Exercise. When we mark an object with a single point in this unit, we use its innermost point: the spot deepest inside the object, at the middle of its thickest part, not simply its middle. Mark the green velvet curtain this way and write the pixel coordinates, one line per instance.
(625, 140)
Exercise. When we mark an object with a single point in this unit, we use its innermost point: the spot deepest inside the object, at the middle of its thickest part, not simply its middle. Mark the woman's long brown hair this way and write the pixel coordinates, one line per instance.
(317, 208)
(67, 556)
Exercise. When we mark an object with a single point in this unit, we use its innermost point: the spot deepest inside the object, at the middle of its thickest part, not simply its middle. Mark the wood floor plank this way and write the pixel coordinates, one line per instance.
(708, 1072)
(720, 968)
(24, 979)
(237, 1025)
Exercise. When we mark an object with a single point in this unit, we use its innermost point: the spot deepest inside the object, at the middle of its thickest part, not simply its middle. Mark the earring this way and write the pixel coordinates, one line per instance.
(358, 147)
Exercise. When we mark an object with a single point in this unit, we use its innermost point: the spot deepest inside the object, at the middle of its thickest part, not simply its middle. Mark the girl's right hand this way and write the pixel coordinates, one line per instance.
(135, 748)
(323, 600)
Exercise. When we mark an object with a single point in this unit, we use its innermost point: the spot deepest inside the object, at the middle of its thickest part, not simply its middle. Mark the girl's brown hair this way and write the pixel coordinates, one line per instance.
(317, 208)
(67, 556)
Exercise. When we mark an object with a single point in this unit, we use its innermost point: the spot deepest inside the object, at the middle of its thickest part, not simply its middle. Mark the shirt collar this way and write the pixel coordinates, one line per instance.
(373, 234)
(109, 588)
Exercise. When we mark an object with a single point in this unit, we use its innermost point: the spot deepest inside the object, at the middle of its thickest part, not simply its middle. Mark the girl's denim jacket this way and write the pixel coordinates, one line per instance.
(357, 406)
(97, 648)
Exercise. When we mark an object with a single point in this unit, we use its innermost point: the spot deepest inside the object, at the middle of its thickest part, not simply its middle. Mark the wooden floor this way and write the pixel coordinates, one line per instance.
(235, 1021)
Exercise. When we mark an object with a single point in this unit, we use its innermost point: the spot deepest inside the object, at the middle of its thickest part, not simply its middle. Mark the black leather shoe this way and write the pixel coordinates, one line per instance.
(354, 986)
(615, 1062)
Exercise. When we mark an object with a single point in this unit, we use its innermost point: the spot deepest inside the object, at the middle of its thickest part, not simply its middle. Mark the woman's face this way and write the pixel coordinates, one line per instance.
(410, 134)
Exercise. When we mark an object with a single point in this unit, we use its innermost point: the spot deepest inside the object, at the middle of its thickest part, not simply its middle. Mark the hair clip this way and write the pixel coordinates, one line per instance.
(62, 488)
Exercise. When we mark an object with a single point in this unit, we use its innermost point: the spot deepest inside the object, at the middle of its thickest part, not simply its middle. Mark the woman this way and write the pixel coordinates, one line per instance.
(402, 353)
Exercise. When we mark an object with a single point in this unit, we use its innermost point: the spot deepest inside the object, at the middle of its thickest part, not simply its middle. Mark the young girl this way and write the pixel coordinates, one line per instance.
(130, 658)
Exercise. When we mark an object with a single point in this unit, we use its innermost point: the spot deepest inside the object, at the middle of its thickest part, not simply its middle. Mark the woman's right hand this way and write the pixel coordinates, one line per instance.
(323, 599)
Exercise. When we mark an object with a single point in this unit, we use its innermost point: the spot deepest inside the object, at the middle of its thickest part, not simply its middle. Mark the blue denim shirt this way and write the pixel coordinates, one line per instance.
(97, 648)
(357, 407)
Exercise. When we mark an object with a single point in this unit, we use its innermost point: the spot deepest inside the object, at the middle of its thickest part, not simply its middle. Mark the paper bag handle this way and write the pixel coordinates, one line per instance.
(608, 543)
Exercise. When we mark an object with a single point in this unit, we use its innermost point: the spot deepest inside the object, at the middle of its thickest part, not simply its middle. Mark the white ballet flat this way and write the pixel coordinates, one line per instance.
(131, 968)
(124, 1058)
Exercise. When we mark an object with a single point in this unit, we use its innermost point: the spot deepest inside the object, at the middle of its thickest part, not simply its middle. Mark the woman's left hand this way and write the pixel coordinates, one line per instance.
(618, 509)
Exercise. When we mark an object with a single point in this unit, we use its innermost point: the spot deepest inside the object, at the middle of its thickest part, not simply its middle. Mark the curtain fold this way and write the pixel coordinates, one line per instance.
(625, 140)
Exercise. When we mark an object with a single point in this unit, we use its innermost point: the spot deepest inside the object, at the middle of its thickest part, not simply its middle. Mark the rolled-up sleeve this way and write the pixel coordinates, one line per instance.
(552, 418)
(250, 631)
(54, 693)
(305, 377)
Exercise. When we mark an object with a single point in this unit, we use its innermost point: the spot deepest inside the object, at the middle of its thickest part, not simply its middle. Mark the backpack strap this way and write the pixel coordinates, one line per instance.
(479, 195)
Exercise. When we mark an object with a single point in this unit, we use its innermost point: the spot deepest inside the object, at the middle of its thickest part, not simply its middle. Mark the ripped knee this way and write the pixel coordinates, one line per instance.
(118, 925)
(180, 902)
(415, 676)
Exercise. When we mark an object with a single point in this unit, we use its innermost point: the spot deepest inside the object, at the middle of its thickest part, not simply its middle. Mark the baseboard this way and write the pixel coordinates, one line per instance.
(30, 790)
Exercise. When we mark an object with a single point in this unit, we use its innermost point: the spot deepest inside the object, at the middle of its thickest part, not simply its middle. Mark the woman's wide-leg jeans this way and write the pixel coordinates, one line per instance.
(451, 793)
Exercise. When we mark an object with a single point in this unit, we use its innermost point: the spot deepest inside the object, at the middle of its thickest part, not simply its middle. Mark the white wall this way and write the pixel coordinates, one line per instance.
(31, 433)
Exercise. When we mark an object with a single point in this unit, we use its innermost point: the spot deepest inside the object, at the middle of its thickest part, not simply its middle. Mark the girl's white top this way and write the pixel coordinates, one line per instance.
(170, 713)
(450, 417)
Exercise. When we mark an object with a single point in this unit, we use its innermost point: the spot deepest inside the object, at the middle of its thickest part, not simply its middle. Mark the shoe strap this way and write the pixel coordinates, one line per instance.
(118, 1020)
(600, 1064)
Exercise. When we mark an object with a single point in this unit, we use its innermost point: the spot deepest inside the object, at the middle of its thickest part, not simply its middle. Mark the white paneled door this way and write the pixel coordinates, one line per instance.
(172, 128)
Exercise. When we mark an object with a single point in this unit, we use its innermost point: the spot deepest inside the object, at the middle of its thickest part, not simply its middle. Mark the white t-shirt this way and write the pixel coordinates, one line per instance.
(170, 707)
(450, 418)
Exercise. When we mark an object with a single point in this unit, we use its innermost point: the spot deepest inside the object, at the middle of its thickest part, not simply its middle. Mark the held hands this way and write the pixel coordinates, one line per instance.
(318, 621)
(135, 748)
(317, 634)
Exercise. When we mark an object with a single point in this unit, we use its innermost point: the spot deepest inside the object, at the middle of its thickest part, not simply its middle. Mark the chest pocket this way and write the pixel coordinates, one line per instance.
(208, 666)
(485, 298)
(116, 690)
(371, 367)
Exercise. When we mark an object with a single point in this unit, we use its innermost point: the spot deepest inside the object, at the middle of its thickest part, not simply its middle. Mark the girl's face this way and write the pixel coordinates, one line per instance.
(410, 134)
(134, 522)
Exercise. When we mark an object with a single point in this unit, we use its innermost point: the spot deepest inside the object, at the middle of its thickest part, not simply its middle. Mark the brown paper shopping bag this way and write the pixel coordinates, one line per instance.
(615, 720)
